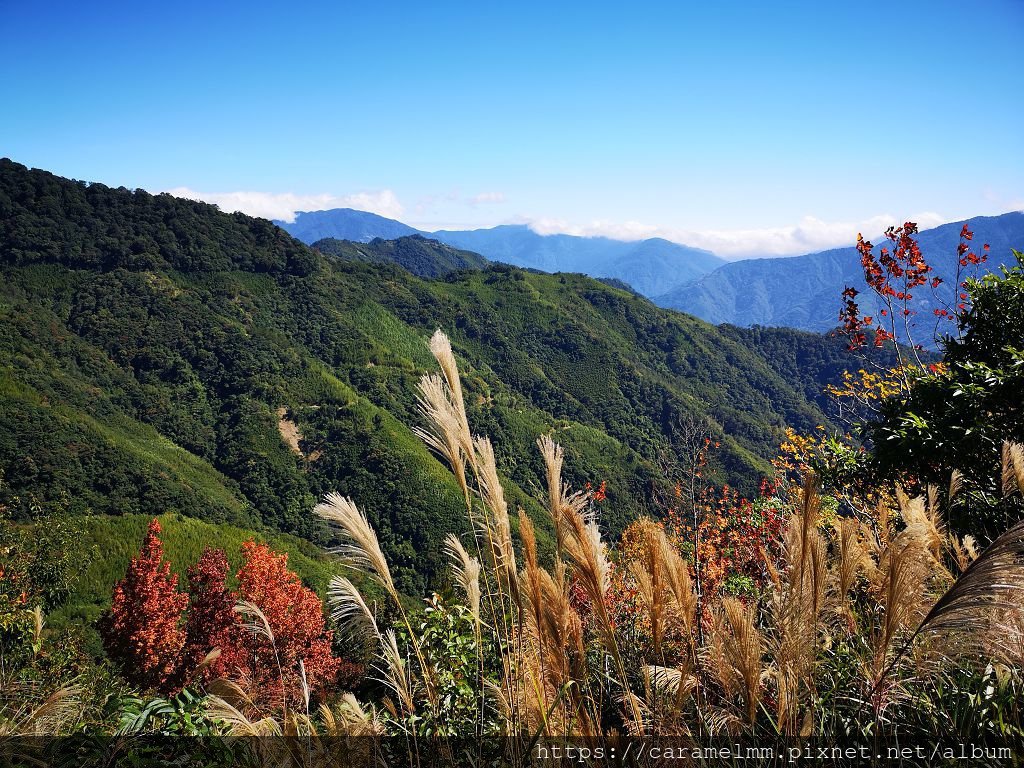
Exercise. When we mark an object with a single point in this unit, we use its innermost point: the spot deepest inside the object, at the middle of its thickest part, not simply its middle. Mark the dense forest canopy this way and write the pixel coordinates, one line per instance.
(154, 350)
(415, 253)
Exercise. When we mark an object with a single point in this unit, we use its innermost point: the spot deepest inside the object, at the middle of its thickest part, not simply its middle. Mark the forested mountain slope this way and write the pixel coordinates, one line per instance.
(157, 355)
(415, 253)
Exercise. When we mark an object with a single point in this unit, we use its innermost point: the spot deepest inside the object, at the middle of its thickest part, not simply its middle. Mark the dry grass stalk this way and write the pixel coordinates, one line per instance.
(742, 649)
(583, 545)
(796, 606)
(533, 615)
(553, 458)
(964, 551)
(441, 349)
(466, 573)
(582, 541)
(853, 560)
(351, 718)
(499, 531)
(229, 702)
(442, 405)
(553, 652)
(992, 587)
(1013, 468)
(394, 674)
(906, 571)
(53, 715)
(349, 610)
(677, 682)
(663, 581)
(650, 578)
(359, 548)
(923, 523)
(444, 433)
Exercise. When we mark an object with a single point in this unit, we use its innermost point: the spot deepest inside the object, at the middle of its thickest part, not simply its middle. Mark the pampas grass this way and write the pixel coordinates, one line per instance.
(466, 572)
(51, 716)
(349, 610)
(359, 548)
(881, 582)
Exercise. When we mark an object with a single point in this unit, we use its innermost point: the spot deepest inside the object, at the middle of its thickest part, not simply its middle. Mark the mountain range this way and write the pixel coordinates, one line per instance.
(804, 291)
(417, 254)
(801, 292)
(649, 266)
(344, 224)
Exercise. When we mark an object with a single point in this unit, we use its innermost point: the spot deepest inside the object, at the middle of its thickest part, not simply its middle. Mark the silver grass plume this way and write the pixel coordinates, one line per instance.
(993, 582)
(1013, 468)
(359, 548)
(445, 432)
(553, 458)
(349, 610)
(500, 531)
(466, 571)
(395, 676)
(441, 348)
(354, 720)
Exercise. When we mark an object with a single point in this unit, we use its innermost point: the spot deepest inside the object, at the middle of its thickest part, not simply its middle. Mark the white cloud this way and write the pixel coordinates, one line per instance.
(284, 205)
(810, 234)
(1000, 203)
(628, 230)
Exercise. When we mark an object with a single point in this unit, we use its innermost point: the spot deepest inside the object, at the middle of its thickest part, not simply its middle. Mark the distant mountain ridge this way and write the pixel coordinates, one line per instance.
(801, 292)
(344, 224)
(804, 291)
(649, 266)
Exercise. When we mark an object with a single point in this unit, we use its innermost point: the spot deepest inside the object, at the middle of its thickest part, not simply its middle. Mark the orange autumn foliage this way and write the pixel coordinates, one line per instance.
(296, 618)
(143, 632)
(159, 645)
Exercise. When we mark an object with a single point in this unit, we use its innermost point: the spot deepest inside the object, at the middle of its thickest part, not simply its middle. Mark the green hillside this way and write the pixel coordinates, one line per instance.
(419, 255)
(158, 356)
(809, 359)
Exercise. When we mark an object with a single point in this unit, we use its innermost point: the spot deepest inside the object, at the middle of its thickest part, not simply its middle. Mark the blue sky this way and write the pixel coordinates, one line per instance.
(749, 128)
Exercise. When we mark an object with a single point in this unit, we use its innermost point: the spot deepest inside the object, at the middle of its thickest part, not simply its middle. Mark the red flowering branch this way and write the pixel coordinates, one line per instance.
(968, 264)
(894, 275)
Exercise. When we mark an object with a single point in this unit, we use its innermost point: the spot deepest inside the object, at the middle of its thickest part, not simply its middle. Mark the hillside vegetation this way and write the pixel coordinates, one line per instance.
(180, 387)
(154, 350)
(415, 253)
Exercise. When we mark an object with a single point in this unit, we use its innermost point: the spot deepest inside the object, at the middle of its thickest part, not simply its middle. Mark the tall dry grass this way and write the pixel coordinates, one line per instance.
(860, 614)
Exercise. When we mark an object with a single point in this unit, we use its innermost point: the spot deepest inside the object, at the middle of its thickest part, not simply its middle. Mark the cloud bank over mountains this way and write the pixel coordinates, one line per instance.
(285, 205)
(809, 234)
